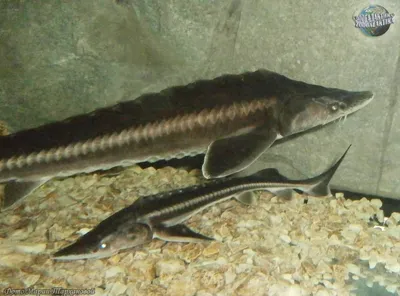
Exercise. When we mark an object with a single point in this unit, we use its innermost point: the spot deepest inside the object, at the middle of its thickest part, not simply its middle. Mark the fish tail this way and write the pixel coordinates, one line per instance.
(319, 185)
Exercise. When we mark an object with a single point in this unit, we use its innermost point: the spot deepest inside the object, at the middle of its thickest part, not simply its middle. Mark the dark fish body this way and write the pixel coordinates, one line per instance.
(219, 117)
(160, 216)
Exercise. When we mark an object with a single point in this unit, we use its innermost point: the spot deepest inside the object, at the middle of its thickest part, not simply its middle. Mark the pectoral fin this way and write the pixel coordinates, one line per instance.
(287, 194)
(15, 192)
(247, 198)
(233, 154)
(179, 233)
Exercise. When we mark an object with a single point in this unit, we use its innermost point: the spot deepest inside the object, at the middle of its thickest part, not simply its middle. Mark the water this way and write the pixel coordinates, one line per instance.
(63, 59)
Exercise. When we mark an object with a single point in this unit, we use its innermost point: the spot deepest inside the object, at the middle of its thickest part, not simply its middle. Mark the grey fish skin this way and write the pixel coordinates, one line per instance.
(160, 216)
(218, 117)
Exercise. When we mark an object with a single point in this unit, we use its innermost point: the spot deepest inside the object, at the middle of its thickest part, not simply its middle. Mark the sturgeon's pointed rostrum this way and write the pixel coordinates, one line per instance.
(160, 216)
(232, 118)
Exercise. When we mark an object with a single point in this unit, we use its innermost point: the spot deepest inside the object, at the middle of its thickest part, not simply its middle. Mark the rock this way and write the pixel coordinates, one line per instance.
(355, 228)
(377, 203)
(285, 238)
(117, 289)
(113, 271)
(15, 260)
(169, 266)
(230, 276)
(30, 279)
(182, 287)
(32, 249)
(212, 249)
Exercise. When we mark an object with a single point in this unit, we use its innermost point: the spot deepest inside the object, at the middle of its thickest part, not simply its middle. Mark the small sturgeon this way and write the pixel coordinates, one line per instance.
(160, 215)
(233, 119)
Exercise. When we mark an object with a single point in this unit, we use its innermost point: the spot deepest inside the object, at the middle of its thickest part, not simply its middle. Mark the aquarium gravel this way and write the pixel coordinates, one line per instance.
(277, 247)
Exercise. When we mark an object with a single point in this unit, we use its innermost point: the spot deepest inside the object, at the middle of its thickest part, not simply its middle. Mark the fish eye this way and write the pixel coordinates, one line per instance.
(338, 106)
(103, 246)
(334, 107)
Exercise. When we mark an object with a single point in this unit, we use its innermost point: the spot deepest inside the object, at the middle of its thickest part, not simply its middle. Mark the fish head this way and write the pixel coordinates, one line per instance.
(101, 243)
(313, 106)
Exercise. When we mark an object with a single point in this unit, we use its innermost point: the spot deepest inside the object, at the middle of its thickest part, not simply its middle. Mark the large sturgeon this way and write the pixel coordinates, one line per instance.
(161, 215)
(233, 119)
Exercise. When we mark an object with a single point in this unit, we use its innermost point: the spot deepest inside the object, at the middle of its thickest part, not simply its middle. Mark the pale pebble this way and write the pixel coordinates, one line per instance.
(355, 228)
(288, 277)
(169, 266)
(376, 203)
(31, 249)
(396, 216)
(30, 279)
(117, 289)
(15, 260)
(353, 269)
(285, 238)
(322, 293)
(391, 288)
(113, 271)
(230, 276)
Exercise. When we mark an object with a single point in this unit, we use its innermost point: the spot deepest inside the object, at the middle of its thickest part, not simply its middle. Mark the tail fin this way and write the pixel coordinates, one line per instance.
(321, 182)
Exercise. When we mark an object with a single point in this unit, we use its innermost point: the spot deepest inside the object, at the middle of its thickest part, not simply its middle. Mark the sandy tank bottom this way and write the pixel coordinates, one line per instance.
(277, 247)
